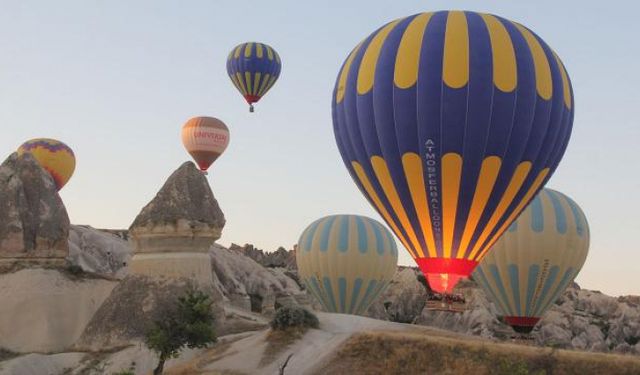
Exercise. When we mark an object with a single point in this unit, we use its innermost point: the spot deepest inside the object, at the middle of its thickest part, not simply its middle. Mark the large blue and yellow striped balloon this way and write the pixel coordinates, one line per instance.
(536, 259)
(449, 123)
(253, 69)
(346, 261)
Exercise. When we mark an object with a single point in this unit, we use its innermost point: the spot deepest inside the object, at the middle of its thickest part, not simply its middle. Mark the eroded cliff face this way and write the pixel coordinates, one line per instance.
(34, 224)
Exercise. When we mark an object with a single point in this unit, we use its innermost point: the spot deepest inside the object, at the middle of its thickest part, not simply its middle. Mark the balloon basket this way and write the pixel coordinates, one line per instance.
(523, 339)
(251, 108)
(446, 302)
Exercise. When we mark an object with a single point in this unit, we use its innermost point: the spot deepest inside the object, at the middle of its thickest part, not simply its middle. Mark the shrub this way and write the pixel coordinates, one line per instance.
(190, 323)
(294, 317)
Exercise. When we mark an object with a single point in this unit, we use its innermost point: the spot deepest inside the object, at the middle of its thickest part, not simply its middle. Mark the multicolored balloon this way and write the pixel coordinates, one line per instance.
(536, 259)
(205, 139)
(346, 261)
(53, 156)
(253, 69)
(450, 123)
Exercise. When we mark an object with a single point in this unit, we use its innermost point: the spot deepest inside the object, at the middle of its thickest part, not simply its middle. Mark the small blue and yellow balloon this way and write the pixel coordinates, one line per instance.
(253, 68)
(346, 261)
(536, 259)
(53, 156)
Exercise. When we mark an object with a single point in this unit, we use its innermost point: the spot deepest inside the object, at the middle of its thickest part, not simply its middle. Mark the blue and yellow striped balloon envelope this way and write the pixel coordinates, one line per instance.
(346, 261)
(449, 123)
(536, 259)
(253, 68)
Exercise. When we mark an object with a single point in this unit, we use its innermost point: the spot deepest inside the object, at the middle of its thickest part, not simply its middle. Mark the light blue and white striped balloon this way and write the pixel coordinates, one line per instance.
(346, 261)
(536, 259)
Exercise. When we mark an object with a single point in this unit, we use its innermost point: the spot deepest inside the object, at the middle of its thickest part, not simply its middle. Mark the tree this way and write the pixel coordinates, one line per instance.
(189, 322)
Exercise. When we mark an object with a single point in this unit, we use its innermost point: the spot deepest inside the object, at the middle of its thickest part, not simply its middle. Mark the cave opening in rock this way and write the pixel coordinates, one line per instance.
(256, 303)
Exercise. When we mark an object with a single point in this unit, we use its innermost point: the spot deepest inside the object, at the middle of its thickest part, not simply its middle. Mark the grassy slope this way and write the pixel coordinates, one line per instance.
(422, 353)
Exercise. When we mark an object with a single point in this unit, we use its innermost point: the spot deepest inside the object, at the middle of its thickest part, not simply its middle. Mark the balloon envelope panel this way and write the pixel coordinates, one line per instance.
(536, 259)
(54, 156)
(450, 123)
(253, 68)
(346, 261)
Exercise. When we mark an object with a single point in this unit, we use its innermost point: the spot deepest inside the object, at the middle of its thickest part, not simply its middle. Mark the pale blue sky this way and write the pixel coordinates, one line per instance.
(116, 80)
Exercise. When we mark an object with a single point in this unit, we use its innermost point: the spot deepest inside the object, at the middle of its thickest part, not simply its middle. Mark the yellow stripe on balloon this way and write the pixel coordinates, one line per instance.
(364, 180)
(269, 52)
(236, 54)
(565, 82)
(486, 180)
(247, 80)
(367, 70)
(455, 71)
(277, 57)
(247, 50)
(451, 173)
(412, 165)
(505, 73)
(241, 83)
(265, 82)
(342, 81)
(256, 83)
(544, 85)
(512, 189)
(408, 57)
(259, 52)
(527, 197)
(384, 177)
(235, 82)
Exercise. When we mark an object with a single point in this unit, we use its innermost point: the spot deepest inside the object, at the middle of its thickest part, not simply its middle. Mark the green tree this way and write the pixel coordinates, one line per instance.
(187, 323)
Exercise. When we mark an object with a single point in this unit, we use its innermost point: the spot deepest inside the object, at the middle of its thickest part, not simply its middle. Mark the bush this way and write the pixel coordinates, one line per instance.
(294, 317)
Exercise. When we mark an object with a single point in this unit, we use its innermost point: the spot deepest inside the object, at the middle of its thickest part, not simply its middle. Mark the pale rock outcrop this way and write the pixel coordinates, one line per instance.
(46, 310)
(247, 284)
(98, 252)
(172, 234)
(170, 238)
(34, 224)
(403, 300)
(281, 258)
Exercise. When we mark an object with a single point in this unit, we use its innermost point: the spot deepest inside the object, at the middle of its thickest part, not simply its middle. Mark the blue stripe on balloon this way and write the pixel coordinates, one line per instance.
(532, 280)
(355, 293)
(318, 292)
(329, 292)
(326, 232)
(343, 239)
(564, 282)
(367, 295)
(514, 277)
(561, 219)
(482, 279)
(498, 280)
(362, 235)
(377, 231)
(577, 216)
(308, 240)
(342, 287)
(537, 215)
(553, 275)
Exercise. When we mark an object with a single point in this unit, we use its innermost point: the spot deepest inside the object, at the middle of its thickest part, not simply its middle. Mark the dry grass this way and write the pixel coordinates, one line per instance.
(278, 341)
(419, 353)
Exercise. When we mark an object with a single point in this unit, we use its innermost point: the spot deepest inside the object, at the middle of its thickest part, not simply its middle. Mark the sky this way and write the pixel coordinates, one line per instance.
(116, 80)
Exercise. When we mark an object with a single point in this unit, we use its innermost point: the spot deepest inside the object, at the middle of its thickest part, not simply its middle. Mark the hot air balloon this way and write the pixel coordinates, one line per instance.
(346, 261)
(52, 155)
(253, 69)
(534, 261)
(205, 138)
(450, 123)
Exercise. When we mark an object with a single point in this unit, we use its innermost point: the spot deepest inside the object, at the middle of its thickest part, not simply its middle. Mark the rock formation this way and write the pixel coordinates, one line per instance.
(172, 235)
(99, 252)
(170, 238)
(34, 224)
(280, 258)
